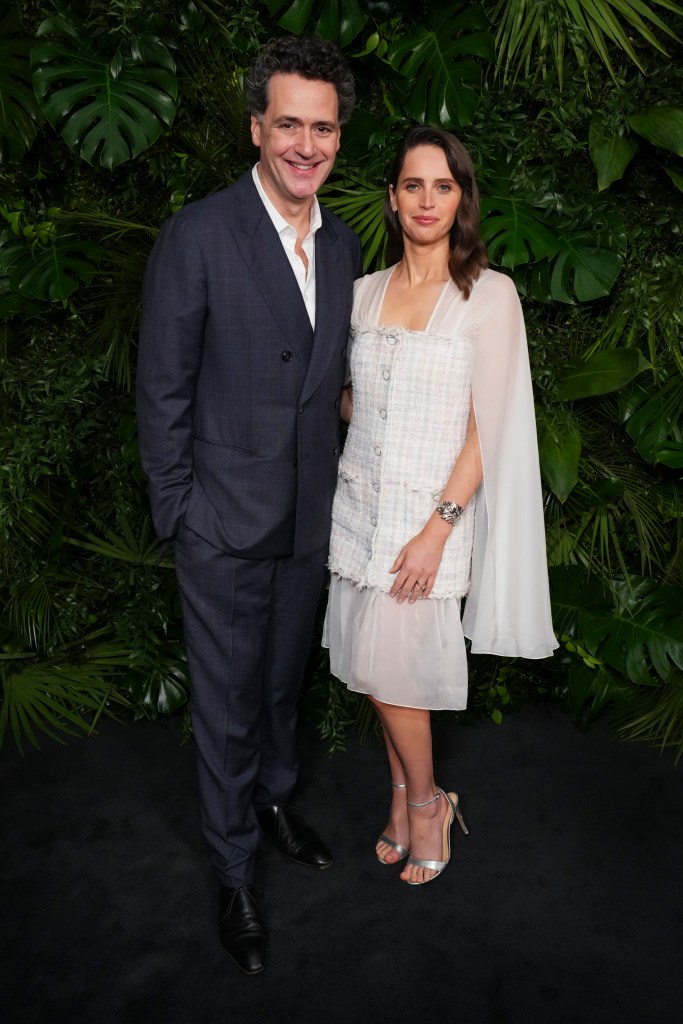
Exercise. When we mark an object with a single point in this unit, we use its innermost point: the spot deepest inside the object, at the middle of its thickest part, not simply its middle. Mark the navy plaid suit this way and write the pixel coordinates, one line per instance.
(239, 435)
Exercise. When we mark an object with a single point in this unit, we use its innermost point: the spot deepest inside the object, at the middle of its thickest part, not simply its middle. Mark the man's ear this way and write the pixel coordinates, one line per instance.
(255, 130)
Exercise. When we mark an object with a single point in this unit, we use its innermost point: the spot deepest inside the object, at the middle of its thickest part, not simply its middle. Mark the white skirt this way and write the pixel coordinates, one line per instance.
(412, 655)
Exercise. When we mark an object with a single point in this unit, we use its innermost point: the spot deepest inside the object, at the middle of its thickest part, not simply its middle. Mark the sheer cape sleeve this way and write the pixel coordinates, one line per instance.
(507, 610)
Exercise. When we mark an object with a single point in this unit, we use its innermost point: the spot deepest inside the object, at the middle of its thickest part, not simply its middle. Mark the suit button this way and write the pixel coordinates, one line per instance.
(295, 463)
(301, 408)
(336, 403)
(335, 451)
(287, 356)
(343, 355)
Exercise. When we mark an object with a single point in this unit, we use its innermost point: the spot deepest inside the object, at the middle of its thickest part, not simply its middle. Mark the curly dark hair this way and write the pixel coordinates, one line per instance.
(468, 254)
(300, 55)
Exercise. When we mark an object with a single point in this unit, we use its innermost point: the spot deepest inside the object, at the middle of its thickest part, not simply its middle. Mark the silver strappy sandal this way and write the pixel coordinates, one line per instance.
(453, 812)
(401, 850)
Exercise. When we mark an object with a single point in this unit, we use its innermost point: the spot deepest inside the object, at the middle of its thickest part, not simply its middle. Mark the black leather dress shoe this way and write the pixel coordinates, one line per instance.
(241, 928)
(293, 836)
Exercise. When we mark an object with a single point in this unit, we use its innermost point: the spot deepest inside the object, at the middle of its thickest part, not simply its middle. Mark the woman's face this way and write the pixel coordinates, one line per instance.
(426, 196)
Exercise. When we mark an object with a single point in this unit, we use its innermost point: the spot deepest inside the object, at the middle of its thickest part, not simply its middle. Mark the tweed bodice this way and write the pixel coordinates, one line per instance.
(411, 403)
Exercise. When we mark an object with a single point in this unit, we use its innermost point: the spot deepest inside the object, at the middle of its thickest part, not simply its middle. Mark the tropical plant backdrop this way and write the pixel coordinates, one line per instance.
(114, 114)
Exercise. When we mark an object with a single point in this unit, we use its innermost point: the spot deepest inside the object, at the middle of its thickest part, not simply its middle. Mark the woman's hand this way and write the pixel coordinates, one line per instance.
(418, 562)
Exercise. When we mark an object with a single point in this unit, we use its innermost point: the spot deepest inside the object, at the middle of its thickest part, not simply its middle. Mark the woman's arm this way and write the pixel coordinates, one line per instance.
(419, 559)
(346, 403)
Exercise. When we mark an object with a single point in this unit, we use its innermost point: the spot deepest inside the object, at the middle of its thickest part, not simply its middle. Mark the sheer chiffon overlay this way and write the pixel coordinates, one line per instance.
(412, 655)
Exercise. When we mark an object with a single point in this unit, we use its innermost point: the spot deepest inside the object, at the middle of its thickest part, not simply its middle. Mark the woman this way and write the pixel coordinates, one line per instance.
(439, 492)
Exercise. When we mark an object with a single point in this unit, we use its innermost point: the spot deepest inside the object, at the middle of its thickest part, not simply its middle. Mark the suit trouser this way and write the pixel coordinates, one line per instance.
(248, 626)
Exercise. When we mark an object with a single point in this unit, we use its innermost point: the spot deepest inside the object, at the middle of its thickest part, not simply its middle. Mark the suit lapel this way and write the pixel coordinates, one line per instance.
(267, 261)
(329, 302)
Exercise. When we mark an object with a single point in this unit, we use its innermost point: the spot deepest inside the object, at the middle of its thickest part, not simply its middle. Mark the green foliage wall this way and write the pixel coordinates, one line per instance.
(113, 115)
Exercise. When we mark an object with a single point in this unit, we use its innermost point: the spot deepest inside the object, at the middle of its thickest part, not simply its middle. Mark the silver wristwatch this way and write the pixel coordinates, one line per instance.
(450, 511)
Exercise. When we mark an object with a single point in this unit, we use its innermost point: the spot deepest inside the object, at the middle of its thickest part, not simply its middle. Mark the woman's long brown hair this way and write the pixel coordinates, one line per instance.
(467, 251)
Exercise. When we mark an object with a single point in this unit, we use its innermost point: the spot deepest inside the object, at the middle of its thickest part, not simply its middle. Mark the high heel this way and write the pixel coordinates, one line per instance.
(453, 812)
(401, 850)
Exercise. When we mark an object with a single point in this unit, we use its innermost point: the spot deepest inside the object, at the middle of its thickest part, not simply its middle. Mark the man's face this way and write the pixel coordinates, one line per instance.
(298, 136)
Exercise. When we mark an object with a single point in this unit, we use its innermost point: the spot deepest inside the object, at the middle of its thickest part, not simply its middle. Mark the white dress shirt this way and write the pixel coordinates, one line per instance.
(305, 276)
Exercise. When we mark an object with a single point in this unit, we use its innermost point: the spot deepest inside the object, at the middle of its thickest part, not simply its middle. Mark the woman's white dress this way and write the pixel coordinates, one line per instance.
(411, 402)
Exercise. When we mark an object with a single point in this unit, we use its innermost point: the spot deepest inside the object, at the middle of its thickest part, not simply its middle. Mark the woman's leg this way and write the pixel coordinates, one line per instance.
(397, 826)
(410, 740)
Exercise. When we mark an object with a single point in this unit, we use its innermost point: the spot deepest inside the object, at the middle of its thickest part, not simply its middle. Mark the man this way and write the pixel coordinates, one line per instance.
(241, 363)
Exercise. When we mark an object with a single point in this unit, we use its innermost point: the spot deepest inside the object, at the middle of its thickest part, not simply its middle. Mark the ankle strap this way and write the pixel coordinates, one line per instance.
(427, 802)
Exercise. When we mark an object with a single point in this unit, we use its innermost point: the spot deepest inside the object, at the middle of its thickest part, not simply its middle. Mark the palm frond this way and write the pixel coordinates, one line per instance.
(35, 607)
(143, 549)
(68, 691)
(674, 570)
(29, 523)
(360, 205)
(219, 87)
(652, 714)
(55, 699)
(110, 307)
(527, 31)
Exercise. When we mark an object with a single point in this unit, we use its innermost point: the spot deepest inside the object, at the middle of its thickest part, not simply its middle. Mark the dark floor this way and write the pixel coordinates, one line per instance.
(564, 904)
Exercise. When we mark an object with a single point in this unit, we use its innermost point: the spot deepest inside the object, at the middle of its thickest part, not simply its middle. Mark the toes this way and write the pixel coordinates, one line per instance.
(387, 853)
(416, 874)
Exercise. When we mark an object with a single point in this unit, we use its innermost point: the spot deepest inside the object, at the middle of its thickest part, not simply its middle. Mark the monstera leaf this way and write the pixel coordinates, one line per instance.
(570, 264)
(576, 597)
(19, 111)
(443, 88)
(108, 111)
(590, 689)
(610, 152)
(51, 271)
(643, 633)
(360, 205)
(338, 20)
(583, 269)
(160, 685)
(602, 373)
(514, 232)
(636, 627)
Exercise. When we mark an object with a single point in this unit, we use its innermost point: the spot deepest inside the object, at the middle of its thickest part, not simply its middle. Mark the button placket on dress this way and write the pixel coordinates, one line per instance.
(389, 348)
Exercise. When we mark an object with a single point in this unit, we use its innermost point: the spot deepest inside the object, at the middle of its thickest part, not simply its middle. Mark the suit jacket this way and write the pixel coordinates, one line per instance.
(237, 396)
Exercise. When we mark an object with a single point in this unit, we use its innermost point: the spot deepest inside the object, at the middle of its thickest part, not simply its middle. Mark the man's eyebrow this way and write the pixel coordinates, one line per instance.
(297, 120)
